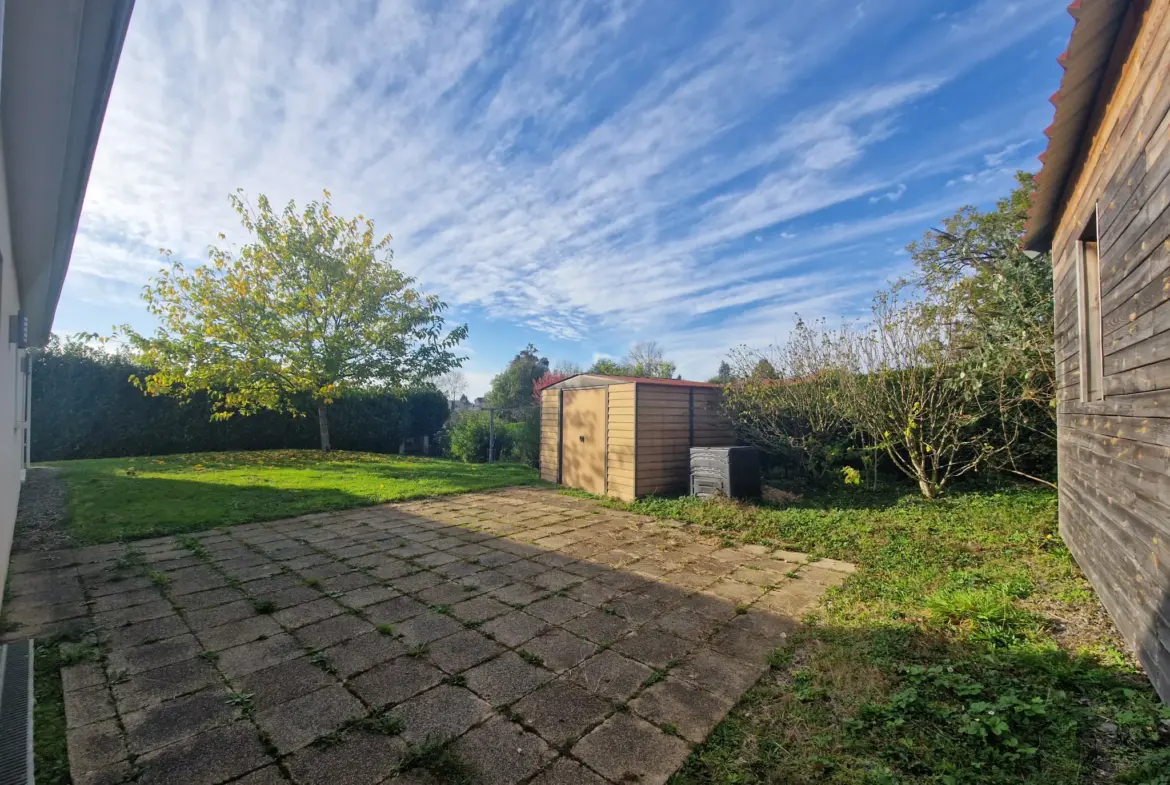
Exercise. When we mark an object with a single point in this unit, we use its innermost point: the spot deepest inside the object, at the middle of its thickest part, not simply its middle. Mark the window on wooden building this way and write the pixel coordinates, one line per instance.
(1089, 308)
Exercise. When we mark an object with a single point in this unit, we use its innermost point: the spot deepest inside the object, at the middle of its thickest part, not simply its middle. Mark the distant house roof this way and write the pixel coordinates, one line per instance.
(1088, 62)
(579, 380)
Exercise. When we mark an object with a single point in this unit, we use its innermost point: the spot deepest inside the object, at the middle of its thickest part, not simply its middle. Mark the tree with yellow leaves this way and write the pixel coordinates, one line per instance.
(311, 307)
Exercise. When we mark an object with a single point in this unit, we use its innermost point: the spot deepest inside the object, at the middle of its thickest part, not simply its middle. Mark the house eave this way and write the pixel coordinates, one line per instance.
(56, 73)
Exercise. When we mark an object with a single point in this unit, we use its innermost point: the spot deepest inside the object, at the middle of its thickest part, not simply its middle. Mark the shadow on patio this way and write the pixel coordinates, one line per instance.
(515, 636)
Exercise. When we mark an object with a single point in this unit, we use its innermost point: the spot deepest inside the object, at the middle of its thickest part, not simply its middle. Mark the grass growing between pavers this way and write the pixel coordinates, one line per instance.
(967, 648)
(126, 498)
(50, 750)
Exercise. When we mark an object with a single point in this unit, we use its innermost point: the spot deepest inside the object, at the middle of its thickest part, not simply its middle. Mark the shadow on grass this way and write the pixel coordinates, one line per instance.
(917, 686)
(899, 704)
(115, 500)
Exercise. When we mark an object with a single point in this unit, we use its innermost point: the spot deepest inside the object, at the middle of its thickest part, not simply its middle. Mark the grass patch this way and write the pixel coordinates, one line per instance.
(50, 748)
(435, 757)
(126, 498)
(967, 648)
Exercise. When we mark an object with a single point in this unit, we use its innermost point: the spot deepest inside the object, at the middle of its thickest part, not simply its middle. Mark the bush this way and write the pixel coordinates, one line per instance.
(526, 438)
(468, 435)
(83, 406)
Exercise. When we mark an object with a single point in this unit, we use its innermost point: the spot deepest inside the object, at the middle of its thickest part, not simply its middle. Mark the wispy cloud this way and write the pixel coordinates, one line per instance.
(889, 196)
(590, 169)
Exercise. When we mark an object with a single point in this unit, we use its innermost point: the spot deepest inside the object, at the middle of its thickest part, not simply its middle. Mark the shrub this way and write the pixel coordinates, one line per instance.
(469, 434)
(526, 438)
(83, 406)
(785, 401)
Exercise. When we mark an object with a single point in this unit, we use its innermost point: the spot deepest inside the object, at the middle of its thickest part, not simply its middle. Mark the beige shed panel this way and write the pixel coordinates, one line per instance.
(649, 428)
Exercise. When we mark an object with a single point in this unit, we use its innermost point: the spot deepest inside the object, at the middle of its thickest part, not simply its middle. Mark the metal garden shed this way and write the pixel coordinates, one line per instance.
(627, 437)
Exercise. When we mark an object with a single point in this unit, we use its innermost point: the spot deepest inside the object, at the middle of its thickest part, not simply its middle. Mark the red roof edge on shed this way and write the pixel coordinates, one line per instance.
(1086, 63)
(640, 380)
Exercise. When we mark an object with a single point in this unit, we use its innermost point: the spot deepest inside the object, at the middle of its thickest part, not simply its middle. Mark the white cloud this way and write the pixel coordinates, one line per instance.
(571, 168)
(889, 196)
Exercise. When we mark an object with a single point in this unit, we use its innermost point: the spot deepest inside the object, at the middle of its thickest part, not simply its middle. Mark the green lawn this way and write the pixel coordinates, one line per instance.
(968, 648)
(125, 498)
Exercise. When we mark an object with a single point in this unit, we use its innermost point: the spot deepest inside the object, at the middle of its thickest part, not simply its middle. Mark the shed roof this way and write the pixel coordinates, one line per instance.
(1087, 65)
(579, 380)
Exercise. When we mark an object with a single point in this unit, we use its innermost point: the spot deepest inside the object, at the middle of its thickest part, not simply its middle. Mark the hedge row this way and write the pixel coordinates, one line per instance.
(86, 407)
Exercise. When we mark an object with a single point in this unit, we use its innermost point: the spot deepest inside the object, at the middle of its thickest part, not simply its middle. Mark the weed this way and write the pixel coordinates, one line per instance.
(321, 660)
(655, 677)
(386, 628)
(159, 579)
(443, 609)
(529, 657)
(418, 651)
(671, 729)
(209, 656)
(986, 616)
(741, 609)
(118, 675)
(779, 658)
(314, 582)
(470, 587)
(194, 545)
(8, 625)
(264, 606)
(244, 701)
(331, 739)
(435, 757)
(472, 624)
(382, 722)
(75, 652)
(130, 560)
(792, 574)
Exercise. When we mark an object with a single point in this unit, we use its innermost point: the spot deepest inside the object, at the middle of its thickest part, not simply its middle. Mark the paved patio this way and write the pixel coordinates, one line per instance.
(543, 638)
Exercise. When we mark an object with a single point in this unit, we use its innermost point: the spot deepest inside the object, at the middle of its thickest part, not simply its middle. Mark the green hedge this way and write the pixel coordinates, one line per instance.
(84, 406)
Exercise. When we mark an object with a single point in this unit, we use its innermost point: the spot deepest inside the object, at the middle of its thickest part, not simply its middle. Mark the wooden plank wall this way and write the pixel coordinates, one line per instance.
(664, 434)
(1114, 455)
(620, 438)
(549, 434)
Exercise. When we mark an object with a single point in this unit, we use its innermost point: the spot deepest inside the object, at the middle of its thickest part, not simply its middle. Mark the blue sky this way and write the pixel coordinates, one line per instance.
(576, 175)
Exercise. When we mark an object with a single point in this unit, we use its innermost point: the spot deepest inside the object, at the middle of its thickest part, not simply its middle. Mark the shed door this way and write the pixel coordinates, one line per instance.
(583, 440)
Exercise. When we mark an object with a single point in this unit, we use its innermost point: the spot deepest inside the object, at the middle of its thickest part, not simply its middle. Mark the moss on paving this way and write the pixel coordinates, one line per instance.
(967, 648)
(125, 498)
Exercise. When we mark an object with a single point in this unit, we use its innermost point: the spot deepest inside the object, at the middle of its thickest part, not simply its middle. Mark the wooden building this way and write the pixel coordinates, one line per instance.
(1102, 206)
(627, 437)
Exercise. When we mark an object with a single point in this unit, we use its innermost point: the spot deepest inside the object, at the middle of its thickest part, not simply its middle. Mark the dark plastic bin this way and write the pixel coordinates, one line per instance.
(731, 471)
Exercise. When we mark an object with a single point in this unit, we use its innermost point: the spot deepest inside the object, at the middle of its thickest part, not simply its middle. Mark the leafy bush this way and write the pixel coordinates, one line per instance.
(469, 435)
(83, 406)
(785, 400)
(526, 438)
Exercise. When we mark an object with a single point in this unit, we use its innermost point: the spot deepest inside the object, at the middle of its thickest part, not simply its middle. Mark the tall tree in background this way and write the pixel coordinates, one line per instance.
(973, 271)
(514, 385)
(568, 368)
(763, 370)
(647, 358)
(310, 307)
(452, 384)
(723, 376)
(644, 359)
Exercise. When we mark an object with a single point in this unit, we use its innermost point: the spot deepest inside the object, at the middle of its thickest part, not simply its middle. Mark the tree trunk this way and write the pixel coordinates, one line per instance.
(323, 425)
(929, 490)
